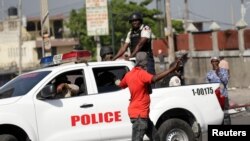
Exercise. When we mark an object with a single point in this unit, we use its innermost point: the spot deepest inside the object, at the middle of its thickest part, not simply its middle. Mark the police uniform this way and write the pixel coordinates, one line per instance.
(133, 38)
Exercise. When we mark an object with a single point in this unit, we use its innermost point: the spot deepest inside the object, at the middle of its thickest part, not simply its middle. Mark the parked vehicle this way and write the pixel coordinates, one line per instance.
(29, 111)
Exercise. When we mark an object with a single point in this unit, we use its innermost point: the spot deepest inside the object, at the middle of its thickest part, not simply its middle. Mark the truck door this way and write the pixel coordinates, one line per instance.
(113, 102)
(68, 119)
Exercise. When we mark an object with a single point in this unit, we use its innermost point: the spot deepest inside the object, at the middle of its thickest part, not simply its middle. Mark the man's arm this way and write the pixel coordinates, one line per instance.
(208, 77)
(223, 75)
(161, 75)
(121, 51)
(73, 88)
(141, 42)
(60, 87)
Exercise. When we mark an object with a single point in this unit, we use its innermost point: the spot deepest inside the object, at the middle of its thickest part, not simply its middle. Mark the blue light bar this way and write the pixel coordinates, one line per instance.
(46, 61)
(72, 56)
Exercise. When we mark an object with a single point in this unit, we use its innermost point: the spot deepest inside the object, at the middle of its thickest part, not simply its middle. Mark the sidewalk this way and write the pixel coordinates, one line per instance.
(240, 95)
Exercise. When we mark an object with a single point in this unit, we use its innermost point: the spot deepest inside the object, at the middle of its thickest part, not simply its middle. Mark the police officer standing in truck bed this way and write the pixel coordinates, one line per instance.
(138, 40)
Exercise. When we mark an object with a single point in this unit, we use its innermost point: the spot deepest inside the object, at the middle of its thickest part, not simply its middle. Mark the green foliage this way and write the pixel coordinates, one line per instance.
(77, 25)
(119, 12)
(178, 26)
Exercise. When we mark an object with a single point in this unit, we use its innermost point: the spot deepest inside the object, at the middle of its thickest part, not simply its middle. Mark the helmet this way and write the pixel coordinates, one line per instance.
(105, 50)
(135, 16)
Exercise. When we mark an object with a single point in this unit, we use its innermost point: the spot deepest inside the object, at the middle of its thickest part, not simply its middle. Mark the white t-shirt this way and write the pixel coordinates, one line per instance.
(174, 81)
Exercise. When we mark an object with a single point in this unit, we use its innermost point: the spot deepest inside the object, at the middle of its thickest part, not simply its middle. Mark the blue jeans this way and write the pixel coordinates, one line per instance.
(142, 126)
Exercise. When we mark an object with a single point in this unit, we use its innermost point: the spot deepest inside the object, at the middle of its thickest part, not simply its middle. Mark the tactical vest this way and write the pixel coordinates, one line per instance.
(134, 38)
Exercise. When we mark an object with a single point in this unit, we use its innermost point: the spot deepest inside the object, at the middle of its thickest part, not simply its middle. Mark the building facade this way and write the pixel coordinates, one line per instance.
(31, 43)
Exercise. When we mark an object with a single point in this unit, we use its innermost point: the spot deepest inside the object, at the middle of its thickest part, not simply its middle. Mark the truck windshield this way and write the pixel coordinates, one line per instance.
(22, 84)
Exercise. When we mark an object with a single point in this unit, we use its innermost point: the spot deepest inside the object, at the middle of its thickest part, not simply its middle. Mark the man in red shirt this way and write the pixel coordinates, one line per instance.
(138, 81)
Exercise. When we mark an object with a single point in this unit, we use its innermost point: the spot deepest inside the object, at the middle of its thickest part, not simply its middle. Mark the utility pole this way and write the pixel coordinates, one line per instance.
(20, 36)
(232, 15)
(242, 10)
(186, 16)
(159, 17)
(45, 28)
(2, 8)
(112, 24)
(171, 52)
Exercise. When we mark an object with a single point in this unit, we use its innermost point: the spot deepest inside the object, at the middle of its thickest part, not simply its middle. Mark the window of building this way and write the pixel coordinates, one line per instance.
(40, 53)
(24, 52)
(38, 26)
(10, 52)
(12, 25)
(31, 26)
(58, 28)
(14, 52)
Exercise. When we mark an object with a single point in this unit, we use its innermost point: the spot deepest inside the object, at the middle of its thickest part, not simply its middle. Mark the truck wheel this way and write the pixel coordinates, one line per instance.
(7, 137)
(176, 130)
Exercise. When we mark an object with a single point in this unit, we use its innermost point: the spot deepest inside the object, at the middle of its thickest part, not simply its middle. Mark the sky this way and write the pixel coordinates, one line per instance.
(225, 12)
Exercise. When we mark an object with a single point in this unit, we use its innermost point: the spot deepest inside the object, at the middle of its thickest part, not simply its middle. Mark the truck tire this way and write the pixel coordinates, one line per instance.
(7, 137)
(176, 130)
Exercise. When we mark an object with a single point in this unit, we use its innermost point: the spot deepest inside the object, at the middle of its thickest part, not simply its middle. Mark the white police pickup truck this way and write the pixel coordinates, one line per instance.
(29, 111)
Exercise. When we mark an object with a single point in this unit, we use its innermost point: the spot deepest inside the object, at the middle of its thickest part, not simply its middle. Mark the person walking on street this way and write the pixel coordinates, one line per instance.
(220, 75)
(138, 39)
(137, 80)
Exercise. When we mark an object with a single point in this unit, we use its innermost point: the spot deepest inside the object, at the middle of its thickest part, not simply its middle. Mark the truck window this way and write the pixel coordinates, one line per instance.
(75, 79)
(16, 87)
(105, 77)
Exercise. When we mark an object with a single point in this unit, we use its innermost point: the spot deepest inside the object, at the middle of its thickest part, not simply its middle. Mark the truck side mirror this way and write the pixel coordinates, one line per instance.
(49, 91)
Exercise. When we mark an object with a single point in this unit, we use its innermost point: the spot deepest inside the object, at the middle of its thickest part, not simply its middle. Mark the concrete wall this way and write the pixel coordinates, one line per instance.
(239, 71)
(197, 68)
(237, 53)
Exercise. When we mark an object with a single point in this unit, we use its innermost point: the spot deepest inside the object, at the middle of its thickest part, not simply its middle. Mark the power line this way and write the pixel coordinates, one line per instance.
(202, 18)
(62, 8)
(207, 18)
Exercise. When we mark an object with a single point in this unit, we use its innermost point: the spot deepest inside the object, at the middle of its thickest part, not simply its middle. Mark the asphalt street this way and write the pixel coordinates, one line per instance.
(240, 116)
(239, 96)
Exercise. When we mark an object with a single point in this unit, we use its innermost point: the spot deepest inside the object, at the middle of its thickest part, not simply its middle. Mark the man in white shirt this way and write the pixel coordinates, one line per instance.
(138, 40)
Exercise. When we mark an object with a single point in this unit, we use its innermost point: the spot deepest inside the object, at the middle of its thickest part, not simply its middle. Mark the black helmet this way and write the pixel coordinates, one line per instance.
(135, 16)
(105, 50)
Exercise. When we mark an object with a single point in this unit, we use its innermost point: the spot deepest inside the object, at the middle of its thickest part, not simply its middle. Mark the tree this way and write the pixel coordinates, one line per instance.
(119, 10)
(178, 26)
(78, 28)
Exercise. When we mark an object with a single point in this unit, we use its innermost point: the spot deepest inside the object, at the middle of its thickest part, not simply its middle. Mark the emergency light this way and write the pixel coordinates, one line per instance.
(73, 56)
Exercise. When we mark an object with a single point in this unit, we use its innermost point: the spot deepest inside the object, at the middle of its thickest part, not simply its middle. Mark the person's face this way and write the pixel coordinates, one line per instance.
(136, 24)
(215, 63)
(108, 57)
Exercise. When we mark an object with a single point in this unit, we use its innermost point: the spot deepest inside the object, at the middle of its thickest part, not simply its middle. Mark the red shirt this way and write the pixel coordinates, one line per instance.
(138, 80)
